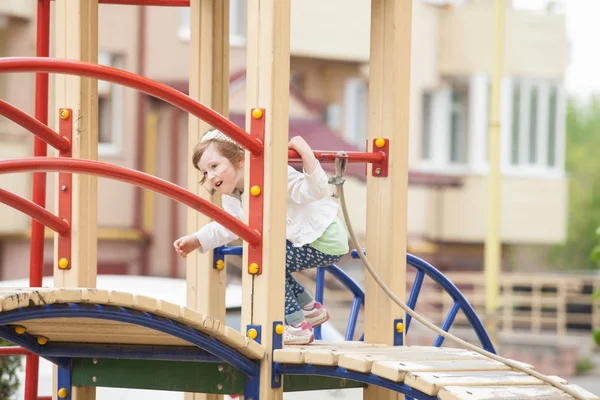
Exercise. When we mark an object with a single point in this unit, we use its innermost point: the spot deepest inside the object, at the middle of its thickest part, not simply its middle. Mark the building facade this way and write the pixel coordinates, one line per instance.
(452, 59)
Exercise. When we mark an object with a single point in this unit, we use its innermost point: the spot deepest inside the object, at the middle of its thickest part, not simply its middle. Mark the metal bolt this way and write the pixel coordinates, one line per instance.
(95, 361)
(378, 171)
(220, 387)
(63, 188)
(220, 368)
(277, 379)
(94, 379)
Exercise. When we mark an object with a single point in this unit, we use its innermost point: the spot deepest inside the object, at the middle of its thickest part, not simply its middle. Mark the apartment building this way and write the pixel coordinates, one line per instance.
(452, 60)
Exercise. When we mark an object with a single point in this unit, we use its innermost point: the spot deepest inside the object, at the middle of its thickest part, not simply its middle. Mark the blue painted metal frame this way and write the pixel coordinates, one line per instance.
(423, 268)
(337, 372)
(122, 314)
(64, 379)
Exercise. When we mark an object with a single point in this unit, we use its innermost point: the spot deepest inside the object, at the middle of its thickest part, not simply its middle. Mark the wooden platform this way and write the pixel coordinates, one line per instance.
(98, 331)
(448, 373)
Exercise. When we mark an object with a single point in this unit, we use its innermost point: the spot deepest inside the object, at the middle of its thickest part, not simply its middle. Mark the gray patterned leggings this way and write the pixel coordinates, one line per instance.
(297, 259)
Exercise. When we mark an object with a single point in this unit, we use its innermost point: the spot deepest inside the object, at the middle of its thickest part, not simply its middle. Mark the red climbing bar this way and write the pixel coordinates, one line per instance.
(138, 178)
(167, 3)
(36, 127)
(13, 351)
(353, 156)
(134, 81)
(38, 213)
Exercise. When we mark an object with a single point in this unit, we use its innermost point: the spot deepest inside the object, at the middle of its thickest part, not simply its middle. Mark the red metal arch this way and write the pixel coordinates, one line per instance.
(34, 126)
(137, 178)
(36, 212)
(134, 81)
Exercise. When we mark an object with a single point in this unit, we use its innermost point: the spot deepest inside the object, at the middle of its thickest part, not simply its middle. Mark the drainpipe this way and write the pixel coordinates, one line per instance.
(138, 203)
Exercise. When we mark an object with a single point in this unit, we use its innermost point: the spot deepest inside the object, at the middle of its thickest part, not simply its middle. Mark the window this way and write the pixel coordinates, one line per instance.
(426, 126)
(110, 109)
(237, 23)
(355, 110)
(552, 127)
(534, 126)
(458, 124)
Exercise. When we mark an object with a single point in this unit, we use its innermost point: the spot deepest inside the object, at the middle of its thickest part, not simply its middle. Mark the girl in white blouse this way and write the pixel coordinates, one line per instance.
(315, 235)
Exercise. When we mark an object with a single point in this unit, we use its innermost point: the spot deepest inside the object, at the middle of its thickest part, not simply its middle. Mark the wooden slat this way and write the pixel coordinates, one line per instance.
(396, 370)
(365, 363)
(545, 392)
(431, 382)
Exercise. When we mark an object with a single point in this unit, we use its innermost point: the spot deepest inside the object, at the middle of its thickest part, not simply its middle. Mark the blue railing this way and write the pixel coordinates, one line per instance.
(423, 269)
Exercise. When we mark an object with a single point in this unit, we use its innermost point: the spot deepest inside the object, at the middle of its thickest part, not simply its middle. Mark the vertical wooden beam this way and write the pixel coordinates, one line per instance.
(267, 86)
(209, 83)
(389, 92)
(77, 39)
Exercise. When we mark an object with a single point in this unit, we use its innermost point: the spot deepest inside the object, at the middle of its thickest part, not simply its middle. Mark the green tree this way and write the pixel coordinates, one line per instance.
(582, 165)
(9, 366)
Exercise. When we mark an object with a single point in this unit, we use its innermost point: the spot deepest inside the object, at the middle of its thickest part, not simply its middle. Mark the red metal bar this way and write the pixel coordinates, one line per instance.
(153, 88)
(137, 178)
(13, 351)
(40, 149)
(36, 212)
(39, 129)
(65, 189)
(167, 3)
(256, 201)
(174, 178)
(353, 156)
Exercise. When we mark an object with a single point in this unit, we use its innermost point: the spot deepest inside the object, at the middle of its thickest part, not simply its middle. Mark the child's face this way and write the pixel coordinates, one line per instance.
(220, 174)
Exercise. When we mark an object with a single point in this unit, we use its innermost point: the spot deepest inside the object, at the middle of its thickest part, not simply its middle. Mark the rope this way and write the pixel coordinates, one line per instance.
(340, 167)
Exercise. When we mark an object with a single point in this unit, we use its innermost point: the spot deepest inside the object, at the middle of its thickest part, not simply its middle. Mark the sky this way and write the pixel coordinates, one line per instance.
(583, 29)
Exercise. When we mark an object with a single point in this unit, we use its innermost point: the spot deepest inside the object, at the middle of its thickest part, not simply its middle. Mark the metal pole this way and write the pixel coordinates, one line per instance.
(492, 240)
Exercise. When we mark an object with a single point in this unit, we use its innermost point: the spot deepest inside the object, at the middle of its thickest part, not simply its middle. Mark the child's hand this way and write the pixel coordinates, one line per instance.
(185, 245)
(303, 149)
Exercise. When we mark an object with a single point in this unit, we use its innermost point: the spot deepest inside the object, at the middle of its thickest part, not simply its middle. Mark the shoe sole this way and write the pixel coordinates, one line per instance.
(299, 341)
(320, 321)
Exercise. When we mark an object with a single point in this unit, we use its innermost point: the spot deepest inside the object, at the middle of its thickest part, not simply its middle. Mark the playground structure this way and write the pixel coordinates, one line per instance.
(100, 337)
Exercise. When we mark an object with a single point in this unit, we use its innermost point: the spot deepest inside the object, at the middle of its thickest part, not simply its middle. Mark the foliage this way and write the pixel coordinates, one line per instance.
(583, 170)
(9, 366)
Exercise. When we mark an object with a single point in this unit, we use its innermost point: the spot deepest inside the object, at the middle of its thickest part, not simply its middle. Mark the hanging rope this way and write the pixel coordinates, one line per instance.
(338, 180)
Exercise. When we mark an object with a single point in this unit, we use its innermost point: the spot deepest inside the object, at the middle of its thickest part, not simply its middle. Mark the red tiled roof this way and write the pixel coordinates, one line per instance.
(320, 137)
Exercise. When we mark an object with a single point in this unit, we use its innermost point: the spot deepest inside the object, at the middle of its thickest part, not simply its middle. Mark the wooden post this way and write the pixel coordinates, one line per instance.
(389, 92)
(77, 39)
(267, 86)
(209, 83)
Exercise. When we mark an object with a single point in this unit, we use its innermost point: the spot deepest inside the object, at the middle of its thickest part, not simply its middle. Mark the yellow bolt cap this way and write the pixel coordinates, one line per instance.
(380, 142)
(63, 393)
(20, 329)
(253, 268)
(279, 329)
(220, 264)
(63, 263)
(42, 340)
(400, 327)
(64, 113)
(255, 190)
(257, 113)
(252, 333)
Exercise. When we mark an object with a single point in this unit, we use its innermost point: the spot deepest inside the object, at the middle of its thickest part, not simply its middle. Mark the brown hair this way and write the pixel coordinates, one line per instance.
(230, 151)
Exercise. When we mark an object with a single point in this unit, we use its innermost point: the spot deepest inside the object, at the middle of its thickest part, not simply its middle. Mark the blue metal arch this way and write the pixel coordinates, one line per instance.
(135, 317)
(337, 372)
(423, 268)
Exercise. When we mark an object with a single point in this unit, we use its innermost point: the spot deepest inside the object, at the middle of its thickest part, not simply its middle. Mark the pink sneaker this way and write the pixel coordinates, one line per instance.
(298, 335)
(317, 315)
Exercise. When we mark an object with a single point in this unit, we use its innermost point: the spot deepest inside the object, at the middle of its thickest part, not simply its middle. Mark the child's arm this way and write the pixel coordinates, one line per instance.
(310, 185)
(211, 235)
